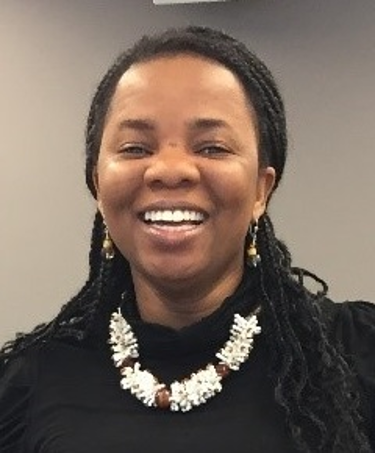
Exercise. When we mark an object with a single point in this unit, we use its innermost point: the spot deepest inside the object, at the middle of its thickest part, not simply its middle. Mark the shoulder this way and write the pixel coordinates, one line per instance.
(16, 381)
(23, 378)
(352, 324)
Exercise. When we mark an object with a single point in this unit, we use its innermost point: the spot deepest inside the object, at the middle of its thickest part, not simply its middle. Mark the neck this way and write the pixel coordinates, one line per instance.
(180, 305)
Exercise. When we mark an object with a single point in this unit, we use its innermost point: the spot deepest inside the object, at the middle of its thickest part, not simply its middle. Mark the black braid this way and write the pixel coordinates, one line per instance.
(312, 380)
(313, 383)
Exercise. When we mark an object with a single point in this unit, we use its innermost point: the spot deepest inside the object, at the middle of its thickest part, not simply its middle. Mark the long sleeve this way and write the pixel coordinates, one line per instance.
(15, 395)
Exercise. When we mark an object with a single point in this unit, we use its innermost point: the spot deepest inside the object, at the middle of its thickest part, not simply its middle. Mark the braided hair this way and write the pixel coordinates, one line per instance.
(313, 383)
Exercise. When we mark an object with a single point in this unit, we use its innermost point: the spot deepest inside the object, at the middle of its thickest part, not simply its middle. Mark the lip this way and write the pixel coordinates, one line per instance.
(172, 237)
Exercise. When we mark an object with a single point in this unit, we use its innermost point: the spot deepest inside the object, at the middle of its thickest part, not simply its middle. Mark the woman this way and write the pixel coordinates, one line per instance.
(193, 331)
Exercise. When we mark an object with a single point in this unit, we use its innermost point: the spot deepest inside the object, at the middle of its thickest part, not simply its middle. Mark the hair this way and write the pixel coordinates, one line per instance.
(313, 383)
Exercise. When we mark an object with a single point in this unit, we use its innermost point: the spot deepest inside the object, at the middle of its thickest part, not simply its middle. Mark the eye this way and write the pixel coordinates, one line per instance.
(135, 150)
(213, 150)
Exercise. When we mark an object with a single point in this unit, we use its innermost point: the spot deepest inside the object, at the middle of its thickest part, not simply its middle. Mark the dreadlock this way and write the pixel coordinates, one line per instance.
(313, 383)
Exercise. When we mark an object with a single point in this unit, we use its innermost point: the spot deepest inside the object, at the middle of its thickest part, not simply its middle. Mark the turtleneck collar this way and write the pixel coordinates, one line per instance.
(206, 334)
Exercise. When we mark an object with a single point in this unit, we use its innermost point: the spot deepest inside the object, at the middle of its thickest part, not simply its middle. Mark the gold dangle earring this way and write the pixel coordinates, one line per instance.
(252, 252)
(108, 250)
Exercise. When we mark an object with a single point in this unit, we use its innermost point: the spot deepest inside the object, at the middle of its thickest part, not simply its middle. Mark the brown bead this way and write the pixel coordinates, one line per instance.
(222, 369)
(127, 362)
(162, 398)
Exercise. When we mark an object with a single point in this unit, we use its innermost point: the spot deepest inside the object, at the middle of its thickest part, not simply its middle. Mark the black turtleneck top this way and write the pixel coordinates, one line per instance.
(65, 397)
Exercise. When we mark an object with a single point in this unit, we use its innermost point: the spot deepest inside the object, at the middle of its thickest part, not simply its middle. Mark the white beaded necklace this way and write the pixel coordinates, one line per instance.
(193, 391)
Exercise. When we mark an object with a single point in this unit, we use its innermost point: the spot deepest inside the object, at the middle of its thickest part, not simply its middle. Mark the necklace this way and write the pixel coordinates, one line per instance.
(196, 389)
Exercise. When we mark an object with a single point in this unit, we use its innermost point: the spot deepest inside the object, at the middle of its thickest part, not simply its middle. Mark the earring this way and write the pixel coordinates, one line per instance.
(108, 251)
(252, 252)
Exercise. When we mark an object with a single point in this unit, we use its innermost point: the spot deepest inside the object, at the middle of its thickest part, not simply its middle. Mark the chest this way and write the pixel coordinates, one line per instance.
(85, 410)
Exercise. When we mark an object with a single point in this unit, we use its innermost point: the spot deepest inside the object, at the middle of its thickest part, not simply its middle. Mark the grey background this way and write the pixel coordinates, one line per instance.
(52, 54)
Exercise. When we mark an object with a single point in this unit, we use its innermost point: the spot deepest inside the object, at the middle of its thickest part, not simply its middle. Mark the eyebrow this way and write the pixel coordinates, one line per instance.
(207, 123)
(138, 124)
(196, 124)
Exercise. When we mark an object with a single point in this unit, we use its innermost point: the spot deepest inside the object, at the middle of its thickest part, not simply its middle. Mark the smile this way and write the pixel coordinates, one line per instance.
(173, 217)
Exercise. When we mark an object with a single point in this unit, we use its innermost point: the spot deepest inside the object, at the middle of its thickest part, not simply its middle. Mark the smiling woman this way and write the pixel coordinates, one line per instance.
(186, 142)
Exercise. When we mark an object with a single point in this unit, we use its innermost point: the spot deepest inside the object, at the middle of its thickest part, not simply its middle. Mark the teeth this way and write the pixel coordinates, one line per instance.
(166, 216)
(176, 215)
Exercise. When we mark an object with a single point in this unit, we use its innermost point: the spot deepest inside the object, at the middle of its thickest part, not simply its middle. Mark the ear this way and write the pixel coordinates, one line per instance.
(265, 183)
(95, 179)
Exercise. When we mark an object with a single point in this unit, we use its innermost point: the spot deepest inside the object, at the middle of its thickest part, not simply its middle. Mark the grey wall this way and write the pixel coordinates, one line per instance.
(52, 53)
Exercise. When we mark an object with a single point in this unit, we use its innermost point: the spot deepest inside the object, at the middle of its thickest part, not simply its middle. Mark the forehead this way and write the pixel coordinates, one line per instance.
(180, 78)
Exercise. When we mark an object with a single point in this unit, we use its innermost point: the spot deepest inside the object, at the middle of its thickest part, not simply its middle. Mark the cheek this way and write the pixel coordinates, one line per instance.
(235, 188)
(117, 185)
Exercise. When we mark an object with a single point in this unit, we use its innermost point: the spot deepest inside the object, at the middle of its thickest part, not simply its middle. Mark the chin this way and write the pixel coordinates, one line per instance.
(174, 273)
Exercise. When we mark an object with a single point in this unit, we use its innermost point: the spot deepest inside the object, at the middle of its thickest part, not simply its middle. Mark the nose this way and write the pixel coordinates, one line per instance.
(172, 167)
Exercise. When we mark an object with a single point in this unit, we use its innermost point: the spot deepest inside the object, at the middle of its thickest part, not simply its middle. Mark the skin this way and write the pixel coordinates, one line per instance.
(180, 133)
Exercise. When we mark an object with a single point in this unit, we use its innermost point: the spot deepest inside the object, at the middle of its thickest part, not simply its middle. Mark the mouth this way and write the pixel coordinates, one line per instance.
(173, 226)
(176, 218)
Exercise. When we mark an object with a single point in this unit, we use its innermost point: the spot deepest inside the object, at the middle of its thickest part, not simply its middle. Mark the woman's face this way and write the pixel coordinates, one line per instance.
(177, 177)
